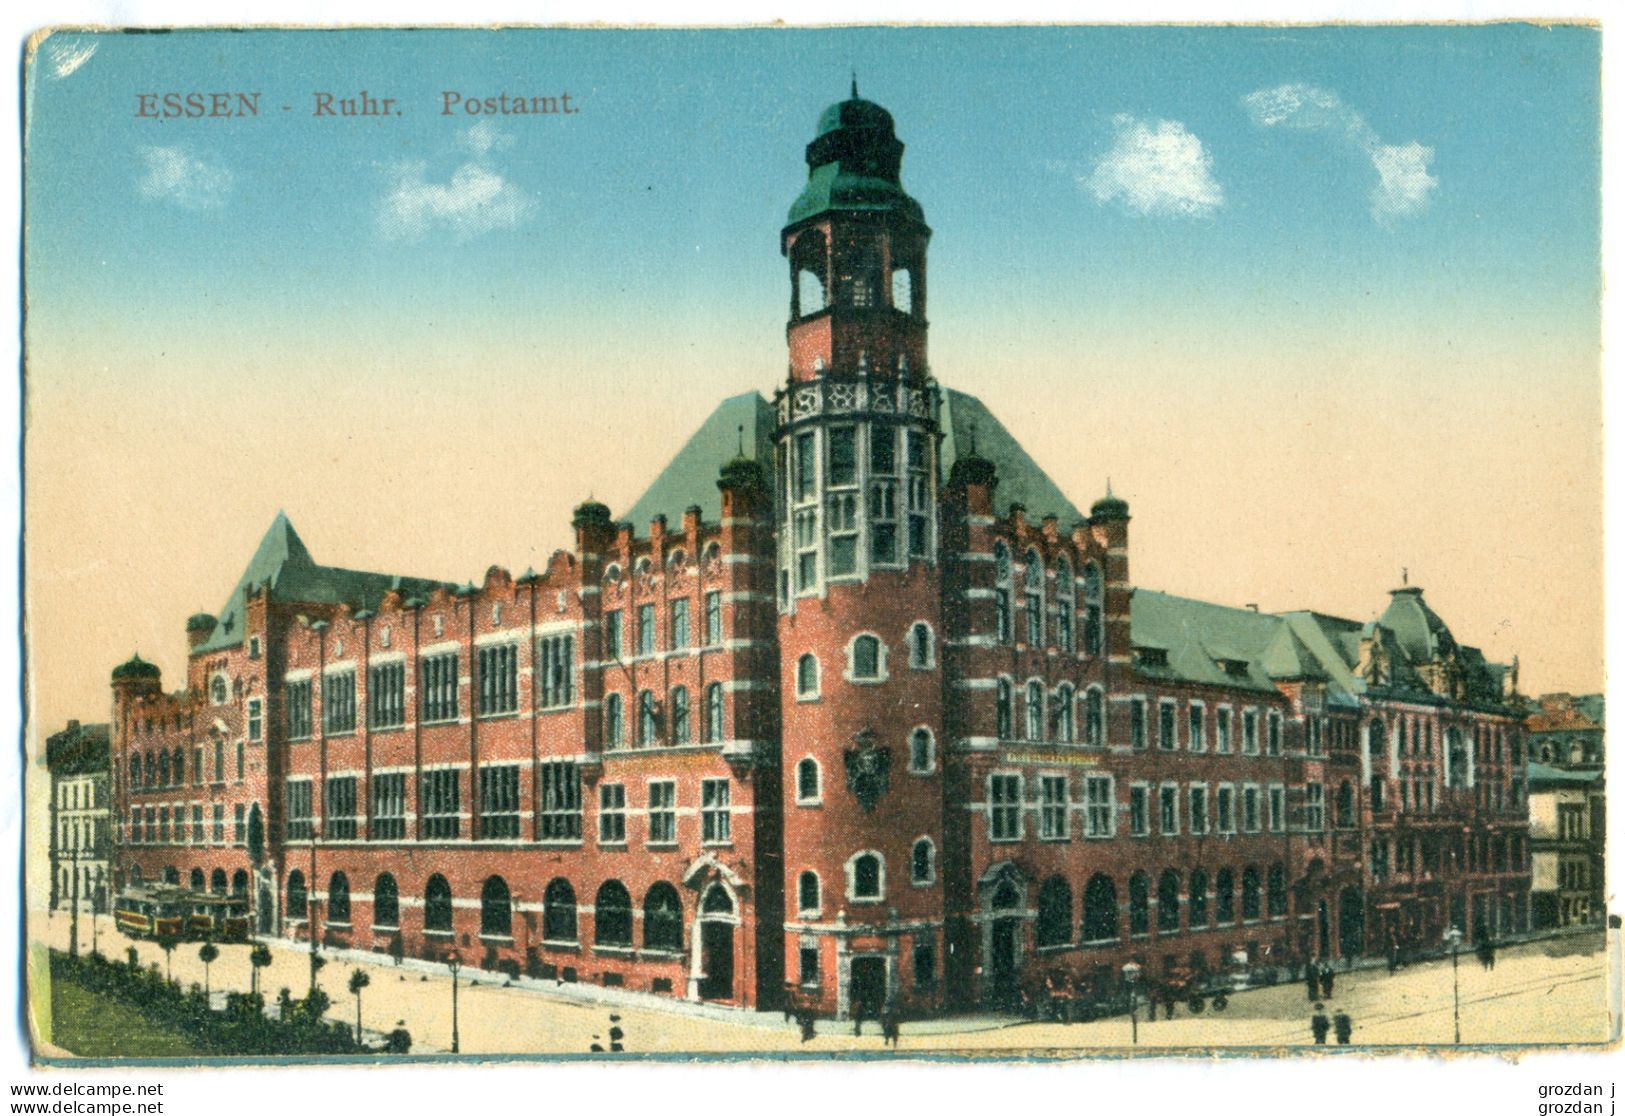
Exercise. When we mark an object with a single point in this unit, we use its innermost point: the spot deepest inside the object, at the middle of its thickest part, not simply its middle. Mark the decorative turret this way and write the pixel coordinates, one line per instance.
(137, 677)
(1109, 507)
(199, 627)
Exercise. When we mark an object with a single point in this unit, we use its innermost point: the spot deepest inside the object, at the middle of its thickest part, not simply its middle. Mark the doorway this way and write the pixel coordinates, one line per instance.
(717, 960)
(263, 910)
(1351, 923)
(868, 987)
(1002, 959)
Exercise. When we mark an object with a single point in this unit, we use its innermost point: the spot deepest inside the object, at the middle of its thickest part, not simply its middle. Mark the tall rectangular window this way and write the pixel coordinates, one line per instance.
(843, 456)
(440, 804)
(197, 823)
(646, 629)
(561, 802)
(1004, 807)
(1168, 810)
(612, 635)
(386, 696)
(1139, 810)
(239, 750)
(1198, 812)
(256, 719)
(1167, 726)
(1314, 808)
(1052, 807)
(680, 630)
(662, 812)
(499, 679)
(883, 523)
(1221, 731)
(1099, 805)
(239, 824)
(389, 807)
(439, 687)
(716, 820)
(713, 618)
(1249, 732)
(338, 702)
(1273, 744)
(296, 699)
(611, 814)
(1277, 809)
(1136, 724)
(338, 808)
(1225, 801)
(556, 671)
(1249, 810)
(296, 809)
(499, 801)
(1196, 737)
(919, 512)
(805, 485)
(806, 539)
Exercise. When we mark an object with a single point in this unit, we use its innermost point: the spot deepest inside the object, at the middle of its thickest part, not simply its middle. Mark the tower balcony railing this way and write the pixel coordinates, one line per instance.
(840, 395)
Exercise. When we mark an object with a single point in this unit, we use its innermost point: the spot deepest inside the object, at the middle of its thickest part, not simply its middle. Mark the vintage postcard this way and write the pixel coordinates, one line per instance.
(908, 542)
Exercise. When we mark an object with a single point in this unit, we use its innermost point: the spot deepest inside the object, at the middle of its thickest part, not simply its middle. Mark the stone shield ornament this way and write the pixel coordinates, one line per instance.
(868, 769)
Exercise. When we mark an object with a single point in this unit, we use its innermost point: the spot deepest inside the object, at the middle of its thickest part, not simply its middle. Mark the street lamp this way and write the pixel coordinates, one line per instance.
(1452, 938)
(1131, 977)
(95, 909)
(454, 962)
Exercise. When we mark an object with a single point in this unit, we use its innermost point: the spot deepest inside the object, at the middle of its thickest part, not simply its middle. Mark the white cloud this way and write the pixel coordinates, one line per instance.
(1157, 168)
(174, 176)
(1404, 183)
(476, 199)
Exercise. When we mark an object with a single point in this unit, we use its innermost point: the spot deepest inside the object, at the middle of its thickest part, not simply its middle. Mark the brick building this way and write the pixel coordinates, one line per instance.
(853, 705)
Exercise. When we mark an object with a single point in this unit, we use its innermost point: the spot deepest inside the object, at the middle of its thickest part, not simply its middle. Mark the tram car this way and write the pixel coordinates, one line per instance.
(152, 912)
(218, 918)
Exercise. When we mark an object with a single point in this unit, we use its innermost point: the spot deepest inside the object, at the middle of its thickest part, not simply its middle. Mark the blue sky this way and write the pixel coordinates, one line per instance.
(656, 199)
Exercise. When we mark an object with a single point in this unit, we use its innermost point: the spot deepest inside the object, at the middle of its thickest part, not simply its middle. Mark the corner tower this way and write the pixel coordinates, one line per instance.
(856, 448)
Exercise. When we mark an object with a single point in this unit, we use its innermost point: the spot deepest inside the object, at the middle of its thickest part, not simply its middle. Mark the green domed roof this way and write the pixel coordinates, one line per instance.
(742, 473)
(137, 667)
(1109, 507)
(854, 113)
(855, 164)
(591, 514)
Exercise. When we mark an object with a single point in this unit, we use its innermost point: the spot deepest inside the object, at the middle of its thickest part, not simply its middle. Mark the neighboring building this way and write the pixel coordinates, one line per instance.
(77, 759)
(853, 706)
(1567, 806)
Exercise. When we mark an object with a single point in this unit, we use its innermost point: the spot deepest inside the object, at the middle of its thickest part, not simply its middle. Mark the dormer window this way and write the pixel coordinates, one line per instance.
(1150, 656)
(1235, 668)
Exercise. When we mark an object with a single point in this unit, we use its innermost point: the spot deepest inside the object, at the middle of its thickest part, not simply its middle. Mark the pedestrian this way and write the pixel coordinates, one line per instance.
(1319, 1024)
(804, 1019)
(889, 1029)
(1172, 998)
(1393, 954)
(1327, 976)
(1486, 954)
(857, 1018)
(1344, 1026)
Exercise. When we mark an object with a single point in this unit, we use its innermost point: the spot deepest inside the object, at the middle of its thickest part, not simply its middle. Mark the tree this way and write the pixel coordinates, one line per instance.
(208, 954)
(167, 943)
(259, 957)
(358, 980)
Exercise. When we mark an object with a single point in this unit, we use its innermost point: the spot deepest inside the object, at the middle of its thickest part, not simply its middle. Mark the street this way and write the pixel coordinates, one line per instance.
(1549, 992)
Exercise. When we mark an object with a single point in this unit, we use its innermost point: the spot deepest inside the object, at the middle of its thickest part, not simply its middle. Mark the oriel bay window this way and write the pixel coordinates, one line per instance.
(296, 703)
(338, 702)
(440, 804)
(439, 686)
(338, 808)
(386, 696)
(499, 679)
(499, 801)
(561, 802)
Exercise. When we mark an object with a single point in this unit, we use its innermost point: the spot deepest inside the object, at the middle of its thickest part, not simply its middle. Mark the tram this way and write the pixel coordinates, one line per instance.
(167, 911)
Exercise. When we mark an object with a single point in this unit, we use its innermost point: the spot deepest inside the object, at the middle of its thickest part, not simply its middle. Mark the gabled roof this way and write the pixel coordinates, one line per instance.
(283, 566)
(690, 478)
(1197, 636)
(965, 419)
(740, 426)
